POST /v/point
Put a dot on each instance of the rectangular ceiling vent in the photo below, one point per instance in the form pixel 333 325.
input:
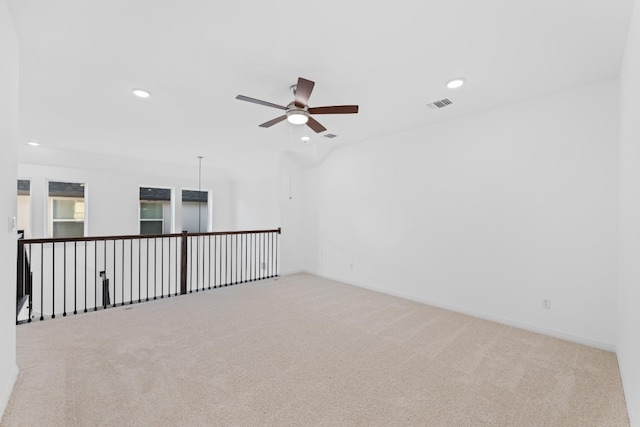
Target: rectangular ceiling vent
pixel 440 104
pixel 330 135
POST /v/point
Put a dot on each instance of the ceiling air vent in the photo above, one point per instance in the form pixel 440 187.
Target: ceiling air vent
pixel 330 135
pixel 440 104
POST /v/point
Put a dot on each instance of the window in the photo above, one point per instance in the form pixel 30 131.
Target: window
pixel 155 210
pixel 195 209
pixel 24 208
pixel 151 217
pixel 67 208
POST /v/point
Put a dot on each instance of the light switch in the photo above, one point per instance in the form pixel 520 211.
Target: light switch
pixel 13 223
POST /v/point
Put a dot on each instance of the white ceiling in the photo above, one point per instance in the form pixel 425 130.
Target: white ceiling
pixel 80 60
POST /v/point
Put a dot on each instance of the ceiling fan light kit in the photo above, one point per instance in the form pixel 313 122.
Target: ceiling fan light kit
pixel 298 112
pixel 297 116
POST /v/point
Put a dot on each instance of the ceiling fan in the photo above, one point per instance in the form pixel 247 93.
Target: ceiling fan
pixel 298 112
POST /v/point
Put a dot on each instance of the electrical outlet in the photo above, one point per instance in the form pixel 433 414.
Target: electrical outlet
pixel 546 303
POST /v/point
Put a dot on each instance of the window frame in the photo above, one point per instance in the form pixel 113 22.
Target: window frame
pixel 49 203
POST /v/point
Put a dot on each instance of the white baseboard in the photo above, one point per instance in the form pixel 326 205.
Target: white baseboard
pixel 485 316
pixel 6 393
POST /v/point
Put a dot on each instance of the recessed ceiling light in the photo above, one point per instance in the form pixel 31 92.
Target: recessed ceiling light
pixel 140 93
pixel 455 83
pixel 305 138
pixel 33 143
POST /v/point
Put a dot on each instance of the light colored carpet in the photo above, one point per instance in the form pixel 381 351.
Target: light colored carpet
pixel 301 350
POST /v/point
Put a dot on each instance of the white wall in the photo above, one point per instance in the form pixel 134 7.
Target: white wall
pixel 294 198
pixel 8 176
pixel 112 197
pixel 24 217
pixel 256 204
pixel 487 214
pixel 628 345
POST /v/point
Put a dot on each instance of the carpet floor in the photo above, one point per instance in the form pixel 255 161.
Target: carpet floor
pixel 304 351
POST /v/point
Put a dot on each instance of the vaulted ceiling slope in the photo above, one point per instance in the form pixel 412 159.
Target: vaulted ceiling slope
pixel 80 61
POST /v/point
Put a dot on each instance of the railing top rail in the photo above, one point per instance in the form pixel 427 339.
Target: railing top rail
pixel 141 236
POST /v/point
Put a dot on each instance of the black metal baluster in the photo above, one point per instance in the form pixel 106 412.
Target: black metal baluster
pixel 162 267
pixel 214 261
pixel 216 272
pixel 30 286
pixel 235 237
pixel 257 260
pixel 147 255
pixel 203 263
pixel 209 261
pixel 155 266
pixel 269 255
pixel 42 281
pixel 256 250
pixel 231 263
pixel 53 283
pixel 246 257
pixel 122 272
pixel 241 259
pixel 131 272
pixel 177 269
pixel 267 265
pixel 198 265
pixel 277 250
pixel 115 281
pixel 86 278
pixel 258 255
pixel 104 300
pixel 64 280
pixel 223 259
pixel 95 276
pixel 231 248
pixel 75 277
pixel 139 270
pixel 226 259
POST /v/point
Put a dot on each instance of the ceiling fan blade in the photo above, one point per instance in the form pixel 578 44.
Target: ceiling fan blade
pixel 303 91
pixel 315 125
pixel 257 101
pixel 273 122
pixel 337 109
